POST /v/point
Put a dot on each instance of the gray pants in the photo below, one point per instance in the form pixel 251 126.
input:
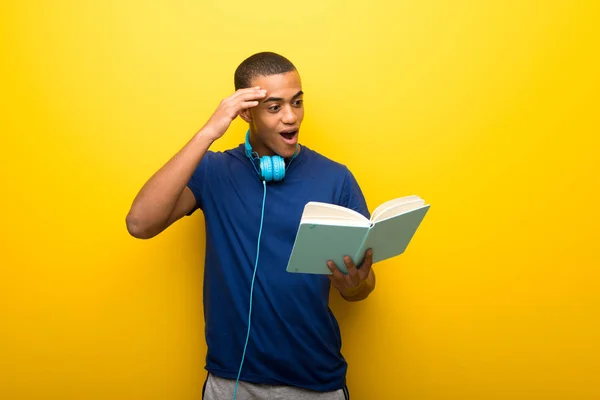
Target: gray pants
pixel 217 388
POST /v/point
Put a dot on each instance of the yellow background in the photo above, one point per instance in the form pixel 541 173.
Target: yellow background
pixel 489 110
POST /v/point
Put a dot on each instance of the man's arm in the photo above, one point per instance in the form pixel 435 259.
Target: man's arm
pixel 358 283
pixel 165 197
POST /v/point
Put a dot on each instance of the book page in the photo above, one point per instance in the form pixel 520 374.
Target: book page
pixel 398 209
pixel 394 202
pixel 335 222
pixel 323 211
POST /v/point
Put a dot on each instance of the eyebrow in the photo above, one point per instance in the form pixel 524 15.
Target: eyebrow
pixel 300 93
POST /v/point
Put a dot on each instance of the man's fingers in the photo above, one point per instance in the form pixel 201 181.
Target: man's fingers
pixel 253 95
pixel 248 104
pixel 353 277
pixel 336 273
pixel 248 100
pixel 248 94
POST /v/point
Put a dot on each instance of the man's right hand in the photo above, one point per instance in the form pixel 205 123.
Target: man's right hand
pixel 230 108
pixel 165 198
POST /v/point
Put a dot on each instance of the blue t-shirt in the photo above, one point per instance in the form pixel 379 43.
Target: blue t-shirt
pixel 294 338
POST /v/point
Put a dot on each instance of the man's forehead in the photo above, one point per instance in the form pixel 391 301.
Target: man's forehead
pixel 284 84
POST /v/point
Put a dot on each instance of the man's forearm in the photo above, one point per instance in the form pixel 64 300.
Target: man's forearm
pixel 362 291
pixel 158 197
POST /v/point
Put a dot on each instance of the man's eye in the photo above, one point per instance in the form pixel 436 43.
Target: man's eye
pixel 298 103
pixel 274 108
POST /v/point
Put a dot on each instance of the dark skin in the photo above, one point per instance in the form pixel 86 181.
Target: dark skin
pixel 358 283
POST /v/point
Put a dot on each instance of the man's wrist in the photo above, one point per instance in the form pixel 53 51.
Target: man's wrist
pixel 354 291
pixel 361 291
pixel 206 135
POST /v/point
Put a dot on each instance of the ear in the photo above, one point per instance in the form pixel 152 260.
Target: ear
pixel 246 115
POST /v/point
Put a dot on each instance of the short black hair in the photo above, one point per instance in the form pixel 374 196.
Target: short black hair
pixel 260 64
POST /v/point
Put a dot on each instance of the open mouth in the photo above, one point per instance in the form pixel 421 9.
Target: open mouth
pixel 289 136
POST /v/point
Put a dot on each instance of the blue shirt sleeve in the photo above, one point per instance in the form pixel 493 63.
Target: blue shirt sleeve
pixel 352 196
pixel 197 182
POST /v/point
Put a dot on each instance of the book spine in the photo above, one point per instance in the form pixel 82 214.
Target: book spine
pixel 358 257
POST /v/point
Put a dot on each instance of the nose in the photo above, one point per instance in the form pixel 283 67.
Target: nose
pixel 289 116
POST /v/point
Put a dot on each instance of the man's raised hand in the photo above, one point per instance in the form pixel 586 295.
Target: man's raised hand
pixel 230 108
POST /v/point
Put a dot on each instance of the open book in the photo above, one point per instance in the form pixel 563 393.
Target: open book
pixel 330 232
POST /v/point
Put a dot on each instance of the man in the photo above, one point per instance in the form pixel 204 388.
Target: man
pixel 271 329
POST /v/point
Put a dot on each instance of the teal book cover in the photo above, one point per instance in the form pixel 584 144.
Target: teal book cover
pixel 318 243
pixel 328 232
pixel 390 237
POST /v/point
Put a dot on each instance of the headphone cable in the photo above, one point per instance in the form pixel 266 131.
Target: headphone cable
pixel 252 288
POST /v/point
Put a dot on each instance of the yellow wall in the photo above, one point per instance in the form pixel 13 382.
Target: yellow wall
pixel 487 109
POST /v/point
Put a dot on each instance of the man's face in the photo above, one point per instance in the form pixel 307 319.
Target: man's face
pixel 275 122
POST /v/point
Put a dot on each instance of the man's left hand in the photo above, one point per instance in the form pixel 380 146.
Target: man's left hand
pixel 359 281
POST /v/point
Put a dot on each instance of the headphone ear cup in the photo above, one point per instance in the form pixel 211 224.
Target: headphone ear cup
pixel 266 168
pixel 278 168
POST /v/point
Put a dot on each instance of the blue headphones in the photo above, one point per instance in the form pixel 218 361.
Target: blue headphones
pixel 272 168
